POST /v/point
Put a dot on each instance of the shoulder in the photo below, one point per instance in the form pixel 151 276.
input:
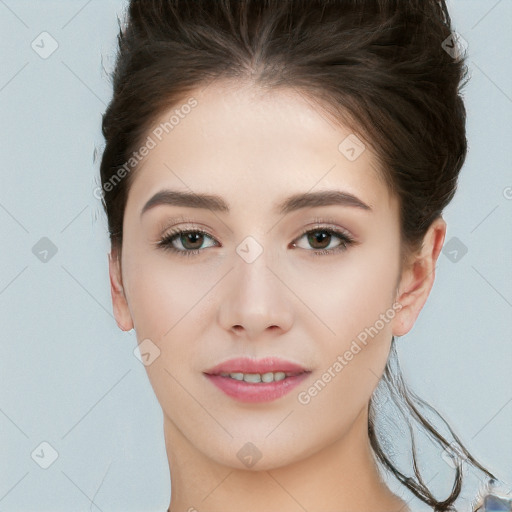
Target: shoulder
pixel 492 502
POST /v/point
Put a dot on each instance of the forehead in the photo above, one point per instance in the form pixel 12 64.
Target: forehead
pixel 255 146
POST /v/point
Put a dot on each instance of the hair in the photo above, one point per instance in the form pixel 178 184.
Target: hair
pixel 379 67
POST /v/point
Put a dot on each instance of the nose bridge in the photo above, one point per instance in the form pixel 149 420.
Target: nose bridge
pixel 254 299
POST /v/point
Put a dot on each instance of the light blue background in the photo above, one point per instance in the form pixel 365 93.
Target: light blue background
pixel 68 375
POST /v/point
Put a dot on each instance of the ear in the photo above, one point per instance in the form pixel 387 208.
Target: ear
pixel 119 303
pixel 418 278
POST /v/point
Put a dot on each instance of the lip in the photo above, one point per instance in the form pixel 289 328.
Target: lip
pixel 256 392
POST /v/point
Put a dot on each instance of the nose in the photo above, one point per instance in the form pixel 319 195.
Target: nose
pixel 255 302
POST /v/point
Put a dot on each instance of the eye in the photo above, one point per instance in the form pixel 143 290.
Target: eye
pixel 185 242
pixel 322 238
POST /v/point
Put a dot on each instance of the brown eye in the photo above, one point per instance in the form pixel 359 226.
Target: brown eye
pixel 186 242
pixel 321 240
pixel 191 240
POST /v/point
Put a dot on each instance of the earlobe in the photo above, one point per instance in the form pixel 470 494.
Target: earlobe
pixel 417 280
pixel 119 303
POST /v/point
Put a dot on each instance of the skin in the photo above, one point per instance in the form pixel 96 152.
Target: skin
pixel 254 148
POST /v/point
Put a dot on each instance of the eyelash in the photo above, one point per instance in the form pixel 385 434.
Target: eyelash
pixel 346 240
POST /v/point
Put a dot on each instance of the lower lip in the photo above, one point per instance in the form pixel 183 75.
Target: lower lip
pixel 262 392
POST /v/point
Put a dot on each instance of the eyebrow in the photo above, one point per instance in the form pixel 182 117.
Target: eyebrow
pixel 218 204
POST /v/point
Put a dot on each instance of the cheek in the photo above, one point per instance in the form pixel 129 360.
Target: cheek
pixel 349 294
pixel 165 294
pixel 358 311
pixel 171 305
pixel 353 297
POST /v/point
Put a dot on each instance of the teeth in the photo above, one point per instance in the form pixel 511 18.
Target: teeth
pixel 268 377
pixel 254 378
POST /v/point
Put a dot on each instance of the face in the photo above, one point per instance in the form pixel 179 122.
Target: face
pixel 311 281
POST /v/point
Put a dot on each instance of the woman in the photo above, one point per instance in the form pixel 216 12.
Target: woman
pixel 274 178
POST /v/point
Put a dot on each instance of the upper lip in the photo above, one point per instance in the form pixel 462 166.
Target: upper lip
pixel 247 365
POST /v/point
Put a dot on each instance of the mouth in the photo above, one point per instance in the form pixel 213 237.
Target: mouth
pixel 256 378
pixel 266 368
pixel 250 380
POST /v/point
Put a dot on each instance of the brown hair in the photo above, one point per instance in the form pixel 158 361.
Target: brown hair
pixel 378 66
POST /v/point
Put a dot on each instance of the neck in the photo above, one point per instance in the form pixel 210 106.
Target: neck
pixel 341 476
